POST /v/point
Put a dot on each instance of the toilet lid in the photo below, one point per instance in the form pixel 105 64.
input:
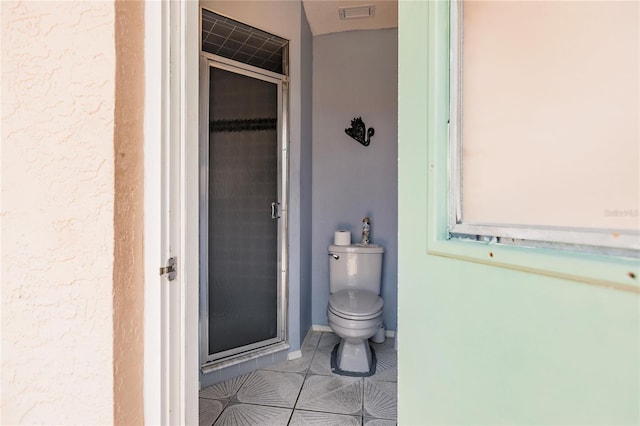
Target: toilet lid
pixel 355 303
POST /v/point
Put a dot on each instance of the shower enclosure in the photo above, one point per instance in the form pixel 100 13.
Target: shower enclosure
pixel 243 187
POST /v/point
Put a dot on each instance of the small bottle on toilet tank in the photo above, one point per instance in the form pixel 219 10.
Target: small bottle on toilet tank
pixel 366 229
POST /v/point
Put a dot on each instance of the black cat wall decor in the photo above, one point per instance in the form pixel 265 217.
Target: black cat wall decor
pixel 358 131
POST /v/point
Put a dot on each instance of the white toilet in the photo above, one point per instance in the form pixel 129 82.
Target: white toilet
pixel 355 305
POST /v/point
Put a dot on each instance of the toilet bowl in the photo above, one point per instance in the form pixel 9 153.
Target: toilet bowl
pixel 355 327
pixel 354 311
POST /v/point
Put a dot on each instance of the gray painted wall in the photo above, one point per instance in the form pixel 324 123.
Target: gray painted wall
pixel 306 73
pixel 355 74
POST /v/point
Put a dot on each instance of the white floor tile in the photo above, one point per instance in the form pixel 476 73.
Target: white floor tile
pixel 311 340
pixel 380 399
pixel 279 389
pixel 342 395
pixel 267 397
pixel 387 362
pixel 328 341
pixel 209 410
pixel 252 415
pixel 379 422
pixel 300 365
pixel 314 418
pixel 223 390
pixel 321 363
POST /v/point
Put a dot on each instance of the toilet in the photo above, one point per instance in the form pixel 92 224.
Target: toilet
pixel 354 311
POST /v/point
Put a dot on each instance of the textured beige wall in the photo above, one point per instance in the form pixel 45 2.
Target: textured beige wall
pixel 128 276
pixel 58 65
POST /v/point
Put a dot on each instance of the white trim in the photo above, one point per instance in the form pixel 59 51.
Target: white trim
pixel 602 238
pixel 242 358
pixel 189 106
pixel 170 308
pixel 294 355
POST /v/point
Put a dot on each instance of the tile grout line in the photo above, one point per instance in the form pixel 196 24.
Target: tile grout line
pixel 228 403
pixel 362 410
pixel 304 379
pixel 306 372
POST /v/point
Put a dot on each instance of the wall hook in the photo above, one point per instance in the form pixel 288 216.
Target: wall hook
pixel 358 130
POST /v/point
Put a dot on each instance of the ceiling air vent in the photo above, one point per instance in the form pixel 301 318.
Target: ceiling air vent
pixel 353 12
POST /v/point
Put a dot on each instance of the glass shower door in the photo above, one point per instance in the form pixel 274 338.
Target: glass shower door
pixel 240 224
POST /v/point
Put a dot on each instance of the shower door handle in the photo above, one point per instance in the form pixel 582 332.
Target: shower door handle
pixel 274 210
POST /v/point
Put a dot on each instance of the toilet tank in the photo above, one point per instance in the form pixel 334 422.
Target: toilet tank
pixel 355 267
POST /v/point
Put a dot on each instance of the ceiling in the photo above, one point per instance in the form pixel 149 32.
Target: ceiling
pixel 324 19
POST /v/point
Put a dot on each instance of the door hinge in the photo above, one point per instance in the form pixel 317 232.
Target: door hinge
pixel 170 269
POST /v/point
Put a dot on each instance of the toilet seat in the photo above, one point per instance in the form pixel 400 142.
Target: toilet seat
pixel 356 305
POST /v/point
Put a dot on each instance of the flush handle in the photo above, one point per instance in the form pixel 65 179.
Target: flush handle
pixel 335 256
pixel 274 210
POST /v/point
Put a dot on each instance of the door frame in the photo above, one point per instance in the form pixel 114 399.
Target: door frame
pixel 206 62
pixel 171 212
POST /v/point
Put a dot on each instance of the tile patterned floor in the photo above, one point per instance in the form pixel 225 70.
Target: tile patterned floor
pixel 305 392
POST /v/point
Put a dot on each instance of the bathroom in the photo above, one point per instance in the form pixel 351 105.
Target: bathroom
pixel 334 181
pixel 96 331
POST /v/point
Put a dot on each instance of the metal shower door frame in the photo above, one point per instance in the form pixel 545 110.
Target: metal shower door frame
pixel 208 61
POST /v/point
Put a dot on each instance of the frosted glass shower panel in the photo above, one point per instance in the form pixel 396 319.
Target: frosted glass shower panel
pixel 243 182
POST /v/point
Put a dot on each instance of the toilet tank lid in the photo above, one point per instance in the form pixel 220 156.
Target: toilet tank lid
pixel 357 248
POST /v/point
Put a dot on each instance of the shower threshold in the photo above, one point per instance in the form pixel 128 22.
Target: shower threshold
pixel 244 357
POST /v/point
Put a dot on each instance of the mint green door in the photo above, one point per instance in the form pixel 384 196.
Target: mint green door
pixel 516 337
